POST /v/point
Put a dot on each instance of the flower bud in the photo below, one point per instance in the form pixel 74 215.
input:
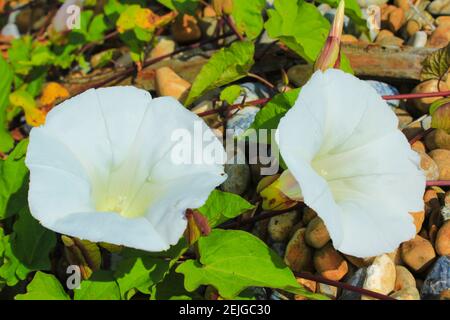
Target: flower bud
pixel 329 57
pixel 223 6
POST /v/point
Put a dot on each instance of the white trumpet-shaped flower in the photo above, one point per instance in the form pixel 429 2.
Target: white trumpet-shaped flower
pixel 101 169
pixel 354 167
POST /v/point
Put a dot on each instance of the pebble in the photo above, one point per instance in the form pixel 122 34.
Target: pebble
pixel 298 75
pixel 396 19
pixel 417 253
pixel 439 7
pixel 168 83
pixel 419 217
pixel 409 293
pixel 310 285
pixel 384 89
pixel 440 37
pixel 253 91
pixel 356 280
pixel 280 226
pixel 403 279
pixel 442 159
pixel 438 139
pixel 238 178
pixel 437 280
pixel 380 276
pixel 308 215
pixel 418 39
pixel 330 263
pixel 242 120
pixel 328 290
pixel 316 233
pixel 391 41
pixel 276 295
pixel 368 3
pixel 298 255
pixel 445 295
pixel 162 48
pixel 185 29
pixel 429 167
pixel 419 147
pixel 442 243
pixel 423 104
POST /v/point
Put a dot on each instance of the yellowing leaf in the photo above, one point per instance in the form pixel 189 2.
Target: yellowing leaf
pixel 83 253
pixel 135 16
pixel 33 116
pixel 52 92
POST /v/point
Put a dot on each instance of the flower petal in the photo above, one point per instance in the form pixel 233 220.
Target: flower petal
pixel 355 169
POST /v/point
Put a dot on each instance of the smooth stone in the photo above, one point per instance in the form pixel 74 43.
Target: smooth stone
pixel 356 280
pixel 439 7
pixel 437 280
pixel 403 279
pixel 298 255
pixel 280 226
pixel 242 120
pixel 437 139
pixel 368 3
pixel 417 253
pixel 238 178
pixel 429 167
pixel 298 76
pixel 168 83
pixel 330 263
pixel 409 293
pixel 418 40
pixel 423 104
pixel 442 159
pixel 349 26
pixel 380 276
pixel 310 285
pixel 419 217
pixel 185 29
pixel 308 215
pixel 442 243
pixel 440 37
pixel 328 290
pixel 404 118
pixel 163 47
pixel 384 89
pixel 396 19
pixel 203 106
pixel 316 233
pixel 276 295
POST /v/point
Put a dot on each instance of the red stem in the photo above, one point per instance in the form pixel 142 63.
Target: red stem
pixel 417 95
pixel 342 285
pixel 438 183
pixel 232 26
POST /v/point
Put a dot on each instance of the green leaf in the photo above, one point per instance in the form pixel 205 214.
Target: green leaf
pixel 44 287
pixel 299 25
pixel 345 64
pixel 100 286
pixel 12 174
pixel 232 260
pixel 140 273
pixel 225 66
pixel 352 10
pixel 248 17
pixel 222 206
pixel 19 55
pixel 172 288
pixel 269 116
pixel 12 270
pixel 32 243
pixel 97 28
pixel 182 6
pixel 6 142
pixel 230 93
pixel 436 104
pixel 436 65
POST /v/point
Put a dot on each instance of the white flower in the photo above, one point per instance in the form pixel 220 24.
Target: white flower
pixel 101 169
pixel 355 168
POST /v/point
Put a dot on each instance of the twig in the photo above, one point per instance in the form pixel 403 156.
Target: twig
pixel 262 216
pixel 230 23
pixel 342 285
pixel 420 135
pixel 408 96
pixel 260 79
